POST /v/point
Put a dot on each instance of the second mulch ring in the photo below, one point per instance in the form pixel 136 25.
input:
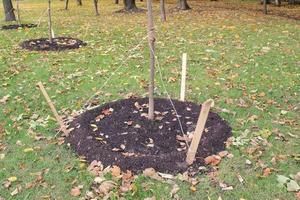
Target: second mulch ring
pixel 58 44
pixel 17 26
pixel 119 133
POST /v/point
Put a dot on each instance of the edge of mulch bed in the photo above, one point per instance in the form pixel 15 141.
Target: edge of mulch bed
pixel 59 44
pixel 17 26
pixel 119 133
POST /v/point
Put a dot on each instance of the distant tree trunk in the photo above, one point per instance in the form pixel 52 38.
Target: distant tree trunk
pixel 116 1
pixel 183 5
pixel 291 1
pixel 162 11
pixel 18 12
pixel 67 5
pixel 129 5
pixel 96 6
pixel 9 10
pixel 265 7
pixel 79 2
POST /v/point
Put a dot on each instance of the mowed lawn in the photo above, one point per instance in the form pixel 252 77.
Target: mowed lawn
pixel 247 62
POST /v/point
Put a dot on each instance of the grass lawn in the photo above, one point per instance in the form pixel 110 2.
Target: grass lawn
pixel 247 62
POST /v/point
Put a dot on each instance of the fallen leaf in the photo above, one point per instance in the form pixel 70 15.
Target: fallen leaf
pixel 4 99
pixel 12 179
pixel 212 160
pixel 106 186
pixel 292 186
pixel 193 188
pixel 75 192
pixel 115 171
pixel 282 179
pixel 298 195
pixel 174 190
pixel 266 172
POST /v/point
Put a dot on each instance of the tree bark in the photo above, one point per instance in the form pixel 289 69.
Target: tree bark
pixel 116 1
pixel 162 11
pixel 183 5
pixel 79 2
pixel 96 6
pixel 151 39
pixel 129 5
pixel 49 22
pixel 9 10
pixel 265 7
pixel 67 5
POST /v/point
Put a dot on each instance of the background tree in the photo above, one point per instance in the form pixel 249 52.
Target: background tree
pixel 96 7
pixel 9 10
pixel 129 5
pixel 67 5
pixel 79 2
pixel 162 11
pixel 183 5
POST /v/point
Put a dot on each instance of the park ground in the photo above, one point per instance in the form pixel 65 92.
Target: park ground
pixel 249 63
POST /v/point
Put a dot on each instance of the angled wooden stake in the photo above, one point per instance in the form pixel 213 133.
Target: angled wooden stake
pixel 199 130
pixel 183 77
pixel 51 105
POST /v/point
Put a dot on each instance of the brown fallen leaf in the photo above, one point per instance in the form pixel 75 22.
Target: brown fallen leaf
pixel 212 160
pixel 151 173
pixel 95 168
pixel 106 186
pixel 266 172
pixel 115 171
pixel 298 195
pixel 193 188
pixel 75 192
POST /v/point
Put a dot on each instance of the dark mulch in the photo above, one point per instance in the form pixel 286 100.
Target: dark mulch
pixel 58 44
pixel 17 26
pixel 126 138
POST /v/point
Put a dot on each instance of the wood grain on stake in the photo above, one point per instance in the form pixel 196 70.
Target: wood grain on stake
pixel 51 105
pixel 199 130
pixel 183 77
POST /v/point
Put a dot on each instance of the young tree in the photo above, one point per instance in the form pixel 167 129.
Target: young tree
pixel 9 10
pixel 129 5
pixel 265 6
pixel 183 5
pixel 67 5
pixel 151 39
pixel 96 6
pixel 162 11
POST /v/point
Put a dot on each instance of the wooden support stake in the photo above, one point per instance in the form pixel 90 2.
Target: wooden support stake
pixel 151 40
pixel 51 105
pixel 183 77
pixel 18 13
pixel 199 130
pixel 49 22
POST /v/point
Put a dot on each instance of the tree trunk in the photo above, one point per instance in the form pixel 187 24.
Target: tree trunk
pixel 183 5
pixel 265 7
pixel 9 10
pixel 116 1
pixel 79 2
pixel 18 12
pixel 96 6
pixel 49 22
pixel 151 39
pixel 129 5
pixel 67 5
pixel 162 11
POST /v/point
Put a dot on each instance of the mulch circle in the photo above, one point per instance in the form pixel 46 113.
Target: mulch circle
pixel 17 26
pixel 58 44
pixel 119 133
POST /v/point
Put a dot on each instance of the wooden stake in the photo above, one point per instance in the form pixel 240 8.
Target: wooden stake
pixel 199 130
pixel 183 77
pixel 51 105
pixel 151 39
pixel 49 22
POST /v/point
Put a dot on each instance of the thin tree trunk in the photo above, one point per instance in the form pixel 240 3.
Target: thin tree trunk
pixel 129 5
pixel 96 6
pixel 116 1
pixel 265 7
pixel 79 2
pixel 67 5
pixel 162 11
pixel 9 10
pixel 183 5
pixel 18 12
pixel 151 39
pixel 49 22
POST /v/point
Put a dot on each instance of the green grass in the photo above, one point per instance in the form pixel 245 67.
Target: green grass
pixel 225 62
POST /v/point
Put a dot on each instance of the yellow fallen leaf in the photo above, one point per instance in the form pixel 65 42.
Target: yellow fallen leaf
pixel 193 188
pixel 12 179
pixel 28 150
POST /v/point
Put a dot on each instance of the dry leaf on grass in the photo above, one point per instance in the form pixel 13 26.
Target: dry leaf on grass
pixel 106 186
pixel 75 192
pixel 212 160
pixel 151 173
pixel 298 195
